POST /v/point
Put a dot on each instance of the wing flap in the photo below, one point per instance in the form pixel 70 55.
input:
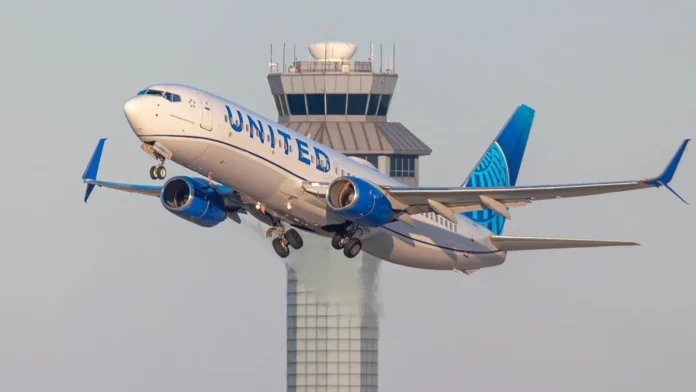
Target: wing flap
pixel 510 243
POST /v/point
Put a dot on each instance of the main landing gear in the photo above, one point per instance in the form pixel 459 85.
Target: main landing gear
pixel 347 241
pixel 285 239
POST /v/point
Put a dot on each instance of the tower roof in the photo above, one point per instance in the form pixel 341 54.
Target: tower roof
pixel 383 138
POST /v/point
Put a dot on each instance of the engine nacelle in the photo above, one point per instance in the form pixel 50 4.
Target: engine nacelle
pixel 359 201
pixel 192 199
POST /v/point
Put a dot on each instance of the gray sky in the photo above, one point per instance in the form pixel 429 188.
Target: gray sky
pixel 120 295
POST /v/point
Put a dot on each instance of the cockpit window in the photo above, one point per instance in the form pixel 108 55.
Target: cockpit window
pixel 171 97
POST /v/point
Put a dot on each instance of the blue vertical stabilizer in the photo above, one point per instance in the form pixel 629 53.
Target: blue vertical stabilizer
pixel 500 165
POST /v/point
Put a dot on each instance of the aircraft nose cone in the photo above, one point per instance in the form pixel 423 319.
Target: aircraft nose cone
pixel 132 109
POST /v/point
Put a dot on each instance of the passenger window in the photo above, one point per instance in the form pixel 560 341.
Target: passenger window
pixel 225 118
pixel 311 158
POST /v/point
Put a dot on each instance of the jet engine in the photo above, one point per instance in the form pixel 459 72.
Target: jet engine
pixel 359 201
pixel 192 199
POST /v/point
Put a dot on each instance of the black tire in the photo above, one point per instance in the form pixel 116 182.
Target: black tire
pixel 153 172
pixel 278 247
pixel 336 241
pixel 294 238
pixel 161 172
pixel 352 248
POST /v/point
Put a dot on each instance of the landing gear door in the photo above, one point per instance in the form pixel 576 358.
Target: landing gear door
pixel 207 112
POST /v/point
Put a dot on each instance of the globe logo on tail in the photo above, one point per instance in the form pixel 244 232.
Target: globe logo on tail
pixel 492 171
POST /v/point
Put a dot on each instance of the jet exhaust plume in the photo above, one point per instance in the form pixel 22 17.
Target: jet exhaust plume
pixel 352 284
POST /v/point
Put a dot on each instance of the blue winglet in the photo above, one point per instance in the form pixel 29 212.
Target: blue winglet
pixel 667 175
pixel 93 167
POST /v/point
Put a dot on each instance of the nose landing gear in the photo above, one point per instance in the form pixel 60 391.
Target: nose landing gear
pixel 160 153
pixel 158 172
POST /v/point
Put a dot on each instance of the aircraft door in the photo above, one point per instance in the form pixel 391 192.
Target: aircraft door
pixel 207 112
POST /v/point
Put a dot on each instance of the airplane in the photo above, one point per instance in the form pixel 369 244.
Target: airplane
pixel 253 165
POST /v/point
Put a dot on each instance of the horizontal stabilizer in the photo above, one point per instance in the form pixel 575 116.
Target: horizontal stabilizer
pixel 509 243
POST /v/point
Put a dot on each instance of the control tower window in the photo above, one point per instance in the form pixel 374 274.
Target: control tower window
pixel 284 105
pixel 336 104
pixel 384 105
pixel 357 103
pixel 372 105
pixel 373 159
pixel 296 104
pixel 277 102
pixel 315 104
pixel 402 166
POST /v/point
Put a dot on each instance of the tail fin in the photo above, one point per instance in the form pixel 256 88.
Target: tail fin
pixel 500 165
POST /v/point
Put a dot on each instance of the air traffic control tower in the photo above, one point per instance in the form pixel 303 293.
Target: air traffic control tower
pixel 343 104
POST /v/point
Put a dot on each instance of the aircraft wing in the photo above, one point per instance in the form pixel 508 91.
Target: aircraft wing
pixel 234 203
pixel 449 201
pixel 89 177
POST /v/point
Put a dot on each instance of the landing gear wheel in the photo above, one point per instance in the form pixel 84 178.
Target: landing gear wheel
pixel 294 238
pixel 352 248
pixel 337 241
pixel 280 249
pixel 158 172
pixel 161 172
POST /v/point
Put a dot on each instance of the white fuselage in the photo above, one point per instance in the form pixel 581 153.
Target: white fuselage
pixel 268 163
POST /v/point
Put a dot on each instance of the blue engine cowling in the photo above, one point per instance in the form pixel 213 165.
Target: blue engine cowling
pixel 192 199
pixel 359 201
